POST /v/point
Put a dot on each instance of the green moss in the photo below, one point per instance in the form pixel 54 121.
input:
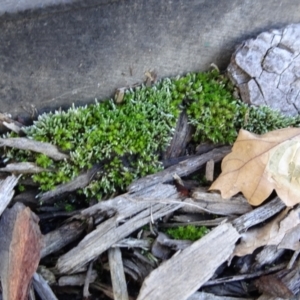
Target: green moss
pixel 189 232
pixel 127 139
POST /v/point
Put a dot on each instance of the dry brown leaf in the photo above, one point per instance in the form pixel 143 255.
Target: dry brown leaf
pixel 275 232
pixel 258 164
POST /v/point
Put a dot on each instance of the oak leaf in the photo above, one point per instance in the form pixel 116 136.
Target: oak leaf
pixel 259 164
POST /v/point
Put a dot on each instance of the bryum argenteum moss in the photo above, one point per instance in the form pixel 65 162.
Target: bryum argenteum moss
pixel 127 139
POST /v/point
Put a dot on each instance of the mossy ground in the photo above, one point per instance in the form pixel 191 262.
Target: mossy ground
pixel 129 138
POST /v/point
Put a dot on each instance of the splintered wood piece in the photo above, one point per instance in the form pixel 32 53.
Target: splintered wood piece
pixel 117 274
pixel 7 191
pixel 209 170
pixel 137 213
pixel 258 215
pixel 20 249
pixel 181 137
pixel 213 203
pixel 9 123
pixel 186 272
pixel 62 236
pixel 35 146
pixel 42 287
pixel 182 169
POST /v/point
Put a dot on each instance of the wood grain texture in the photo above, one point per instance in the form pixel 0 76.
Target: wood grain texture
pixel 180 276
pixel 117 274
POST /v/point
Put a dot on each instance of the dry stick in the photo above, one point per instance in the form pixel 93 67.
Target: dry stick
pixel 87 281
pixel 182 169
pixel 42 288
pixel 23 168
pixel 208 296
pixel 117 274
pixel 35 146
pixel 79 182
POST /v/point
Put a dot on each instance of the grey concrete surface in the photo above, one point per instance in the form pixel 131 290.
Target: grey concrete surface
pixel 71 52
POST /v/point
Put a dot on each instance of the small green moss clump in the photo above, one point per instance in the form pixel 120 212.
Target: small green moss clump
pixel 189 232
pixel 218 116
pixel 126 139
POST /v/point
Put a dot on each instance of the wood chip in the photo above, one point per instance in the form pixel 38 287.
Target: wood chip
pixel 186 272
pixel 209 170
pixel 7 191
pixel 117 274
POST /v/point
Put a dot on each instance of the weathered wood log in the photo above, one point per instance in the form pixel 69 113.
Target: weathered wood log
pixel 182 169
pixel 190 269
pixel 117 274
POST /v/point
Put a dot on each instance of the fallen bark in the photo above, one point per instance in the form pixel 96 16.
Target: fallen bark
pixel 183 272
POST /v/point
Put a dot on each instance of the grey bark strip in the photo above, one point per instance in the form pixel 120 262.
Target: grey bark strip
pixel 258 215
pixel 182 169
pixel 117 274
pixel 189 270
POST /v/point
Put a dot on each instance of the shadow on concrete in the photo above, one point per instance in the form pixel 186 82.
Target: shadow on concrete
pixel 54 53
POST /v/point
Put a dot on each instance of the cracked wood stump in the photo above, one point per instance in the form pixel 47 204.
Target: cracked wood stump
pixel 266 69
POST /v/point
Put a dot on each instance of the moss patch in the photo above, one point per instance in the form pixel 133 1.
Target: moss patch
pixel 128 138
